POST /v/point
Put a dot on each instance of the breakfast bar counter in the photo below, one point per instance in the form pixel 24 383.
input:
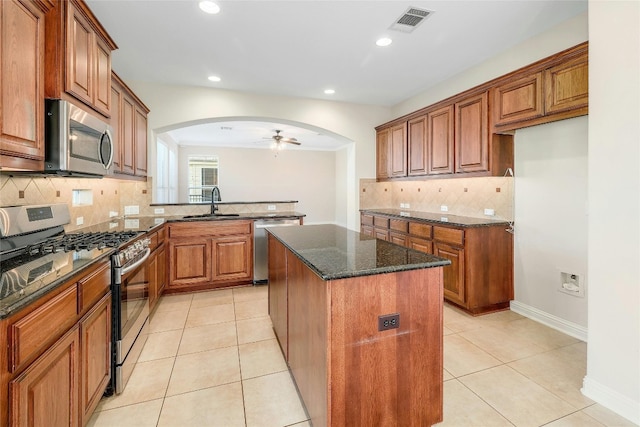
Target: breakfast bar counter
pixel 359 321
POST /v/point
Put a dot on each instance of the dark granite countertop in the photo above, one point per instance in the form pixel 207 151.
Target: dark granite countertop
pixel 437 218
pixel 334 252
pixel 263 202
pixel 42 275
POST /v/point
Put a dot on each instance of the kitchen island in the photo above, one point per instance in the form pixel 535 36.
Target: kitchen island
pixel 359 321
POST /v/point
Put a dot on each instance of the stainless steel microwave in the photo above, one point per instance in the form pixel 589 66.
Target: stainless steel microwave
pixel 77 143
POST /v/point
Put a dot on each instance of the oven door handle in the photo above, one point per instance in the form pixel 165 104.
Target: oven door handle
pixel 136 264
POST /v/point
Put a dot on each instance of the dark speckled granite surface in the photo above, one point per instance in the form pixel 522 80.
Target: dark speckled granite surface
pixel 334 252
pixel 461 221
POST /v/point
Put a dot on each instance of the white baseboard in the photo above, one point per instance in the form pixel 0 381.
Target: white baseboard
pixel 612 400
pixel 564 326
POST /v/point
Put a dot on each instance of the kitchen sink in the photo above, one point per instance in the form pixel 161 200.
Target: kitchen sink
pixel 211 215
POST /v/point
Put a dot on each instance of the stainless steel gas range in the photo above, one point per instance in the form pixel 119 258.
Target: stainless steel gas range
pixel 36 254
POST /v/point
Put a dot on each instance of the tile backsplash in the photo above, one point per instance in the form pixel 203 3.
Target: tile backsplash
pixel 108 195
pixel 462 196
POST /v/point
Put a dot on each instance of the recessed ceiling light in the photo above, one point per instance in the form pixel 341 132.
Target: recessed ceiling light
pixel 209 7
pixel 214 78
pixel 384 41
pixel 329 91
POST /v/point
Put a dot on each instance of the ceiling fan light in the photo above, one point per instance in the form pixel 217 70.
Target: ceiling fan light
pixel 208 6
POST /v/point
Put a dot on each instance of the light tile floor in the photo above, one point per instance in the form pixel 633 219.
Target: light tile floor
pixel 212 360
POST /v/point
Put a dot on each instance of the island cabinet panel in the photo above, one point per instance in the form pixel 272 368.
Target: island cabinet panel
pixel 407 389
pixel 472 134
pixel 47 394
pixel 22 29
pixel 440 142
pixel 278 292
pixel 348 372
pixel 308 337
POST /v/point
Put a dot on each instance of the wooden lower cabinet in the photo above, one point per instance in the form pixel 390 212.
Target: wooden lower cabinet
pixel 454 276
pixel 209 254
pixel 57 377
pixel 349 373
pixel 47 394
pixel 95 369
pixel 157 267
pixel 480 277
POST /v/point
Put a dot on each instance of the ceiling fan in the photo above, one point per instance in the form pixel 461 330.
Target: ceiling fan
pixel 277 138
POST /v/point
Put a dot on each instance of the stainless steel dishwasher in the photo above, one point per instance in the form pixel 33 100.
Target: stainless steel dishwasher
pixel 260 256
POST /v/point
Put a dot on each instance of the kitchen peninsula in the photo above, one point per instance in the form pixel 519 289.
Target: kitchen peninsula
pixel 359 321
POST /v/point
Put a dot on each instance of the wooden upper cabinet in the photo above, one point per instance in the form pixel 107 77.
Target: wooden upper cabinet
pixel 78 56
pixel 129 122
pixel 140 142
pixel 22 74
pixel 417 146
pixel 382 154
pixel 472 134
pixel 440 144
pixel 567 85
pixel 398 150
pixel 519 100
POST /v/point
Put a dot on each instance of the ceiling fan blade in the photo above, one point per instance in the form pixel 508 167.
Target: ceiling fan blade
pixel 291 141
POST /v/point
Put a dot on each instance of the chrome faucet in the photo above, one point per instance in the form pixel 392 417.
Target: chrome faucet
pixel 215 197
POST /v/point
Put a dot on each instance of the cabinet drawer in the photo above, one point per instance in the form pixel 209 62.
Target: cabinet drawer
pixel 366 219
pixel 40 328
pixel 209 228
pixel 449 235
pixel 94 286
pixel 398 238
pixel 420 230
pixel 381 222
pixel 399 225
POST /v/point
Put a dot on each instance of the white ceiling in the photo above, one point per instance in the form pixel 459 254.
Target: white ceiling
pixel 299 48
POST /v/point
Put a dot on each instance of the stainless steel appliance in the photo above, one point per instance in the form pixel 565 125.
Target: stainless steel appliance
pixel 76 143
pixel 260 245
pixel 36 253
pixel 130 287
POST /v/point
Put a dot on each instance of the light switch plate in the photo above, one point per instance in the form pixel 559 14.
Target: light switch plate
pixel 80 220
pixel 158 211
pixel 444 208
pixel 271 207
pixel 489 212
pixel 112 214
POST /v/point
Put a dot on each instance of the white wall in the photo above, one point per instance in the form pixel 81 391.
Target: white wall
pixel 563 36
pixel 172 105
pixel 551 220
pixel 248 174
pixel 613 355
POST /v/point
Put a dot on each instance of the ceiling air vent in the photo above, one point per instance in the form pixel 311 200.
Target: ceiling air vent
pixel 410 19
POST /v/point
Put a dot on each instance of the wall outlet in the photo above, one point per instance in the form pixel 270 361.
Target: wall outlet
pixel 407 205
pixel 570 284
pixel 132 210
pixel 112 214
pixel 444 208
pixel 80 220
pixel 271 207
pixel 489 212
pixel 158 211
pixel 388 321
pixel 402 206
